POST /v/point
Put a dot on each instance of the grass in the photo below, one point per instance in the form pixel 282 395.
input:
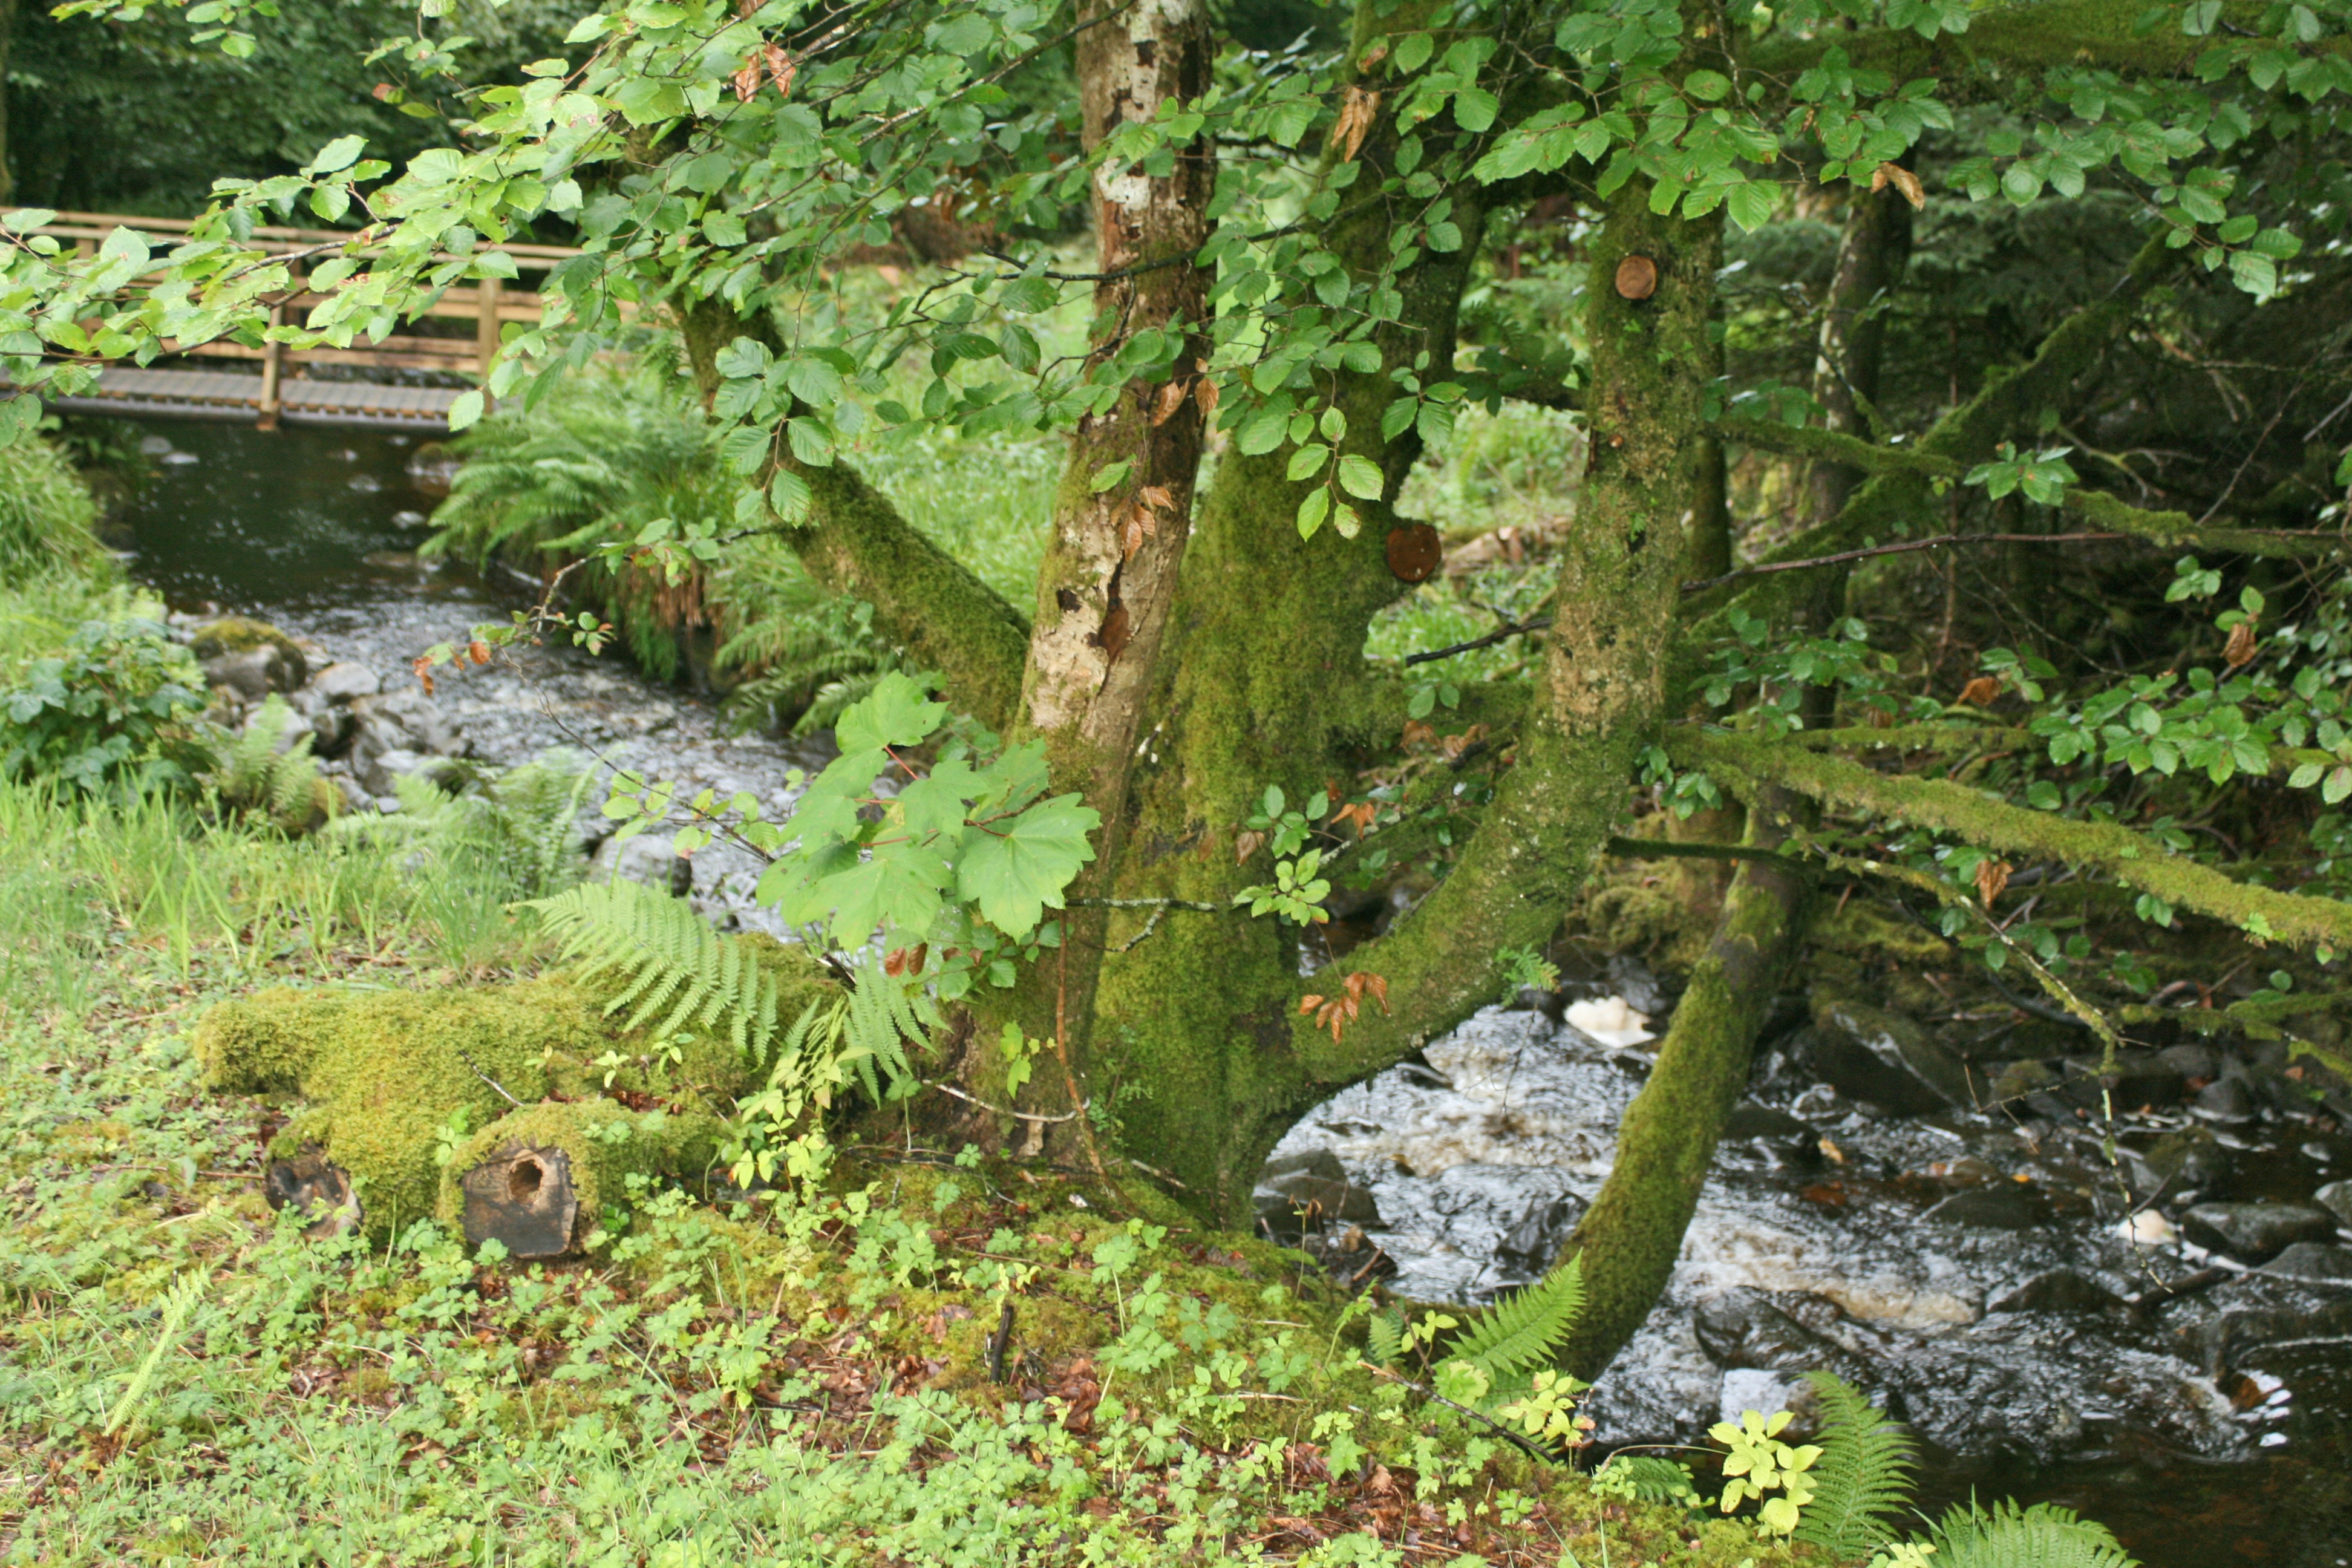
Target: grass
pixel 803 1380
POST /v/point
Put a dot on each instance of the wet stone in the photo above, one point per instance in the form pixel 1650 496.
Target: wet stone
pixel 2226 1102
pixel 2335 1198
pixel 1530 1246
pixel 2058 1290
pixel 2313 1263
pixel 1882 1057
pixel 1327 1201
pixel 2009 1206
pixel 2252 1232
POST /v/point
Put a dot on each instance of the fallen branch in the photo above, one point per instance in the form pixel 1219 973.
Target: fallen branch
pixel 1000 1110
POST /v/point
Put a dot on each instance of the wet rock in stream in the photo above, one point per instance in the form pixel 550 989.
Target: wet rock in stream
pixel 1965 1266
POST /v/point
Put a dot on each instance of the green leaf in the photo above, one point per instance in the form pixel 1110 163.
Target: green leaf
pixel 895 713
pixel 1014 871
pixel 897 887
pixel 1707 87
pixel 812 443
pixel 1108 477
pixel 1361 478
pixel 2304 776
pixel 1474 109
pixel 337 155
pixel 466 410
pixel 1412 52
pixel 1313 511
pixel 789 494
pixel 1307 462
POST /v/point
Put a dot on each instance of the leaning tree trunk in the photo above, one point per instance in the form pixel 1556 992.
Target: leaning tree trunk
pixel 1633 1234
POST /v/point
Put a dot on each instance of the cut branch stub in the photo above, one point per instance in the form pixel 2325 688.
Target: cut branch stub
pixel 317 1191
pixel 1415 552
pixel 524 1198
pixel 1637 278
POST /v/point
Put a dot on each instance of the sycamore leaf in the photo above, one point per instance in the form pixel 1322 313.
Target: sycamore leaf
pixel 936 804
pixel 1014 869
pixel 895 713
pixel 897 887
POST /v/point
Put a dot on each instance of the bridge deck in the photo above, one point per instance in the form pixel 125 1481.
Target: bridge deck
pixel 224 394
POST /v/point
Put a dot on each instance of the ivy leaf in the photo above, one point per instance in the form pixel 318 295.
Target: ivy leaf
pixel 895 713
pixel 1014 871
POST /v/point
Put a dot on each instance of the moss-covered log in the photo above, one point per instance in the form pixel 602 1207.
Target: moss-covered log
pixel 538 1181
pixel 387 1075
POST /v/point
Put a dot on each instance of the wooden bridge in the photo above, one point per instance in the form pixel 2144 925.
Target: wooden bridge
pixel 269 385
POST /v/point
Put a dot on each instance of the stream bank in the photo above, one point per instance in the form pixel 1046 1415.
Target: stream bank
pixel 1964 1265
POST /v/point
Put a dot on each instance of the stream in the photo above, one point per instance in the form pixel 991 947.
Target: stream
pixel 1965 1266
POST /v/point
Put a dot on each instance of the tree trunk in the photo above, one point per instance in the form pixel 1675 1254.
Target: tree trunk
pixel 1631 1237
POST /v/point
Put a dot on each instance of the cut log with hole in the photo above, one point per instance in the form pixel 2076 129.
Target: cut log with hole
pixel 317 1191
pixel 523 1198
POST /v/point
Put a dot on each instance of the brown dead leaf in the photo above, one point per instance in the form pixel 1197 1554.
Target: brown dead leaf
pixel 2240 649
pixel 1454 745
pixel 479 651
pixel 1979 692
pixel 1992 876
pixel 1357 110
pixel 1204 392
pixel 1157 496
pixel 747 79
pixel 1139 523
pixel 782 69
pixel 1165 401
pixel 1245 844
pixel 424 668
pixel 1902 180
pixel 1418 733
pixel 1362 813
pixel 1308 1003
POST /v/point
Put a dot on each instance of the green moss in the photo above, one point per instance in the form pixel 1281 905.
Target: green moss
pixel 605 1143
pixel 236 633
pixel 264 1043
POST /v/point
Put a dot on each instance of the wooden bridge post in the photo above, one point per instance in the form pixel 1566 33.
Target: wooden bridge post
pixel 486 333
pixel 273 356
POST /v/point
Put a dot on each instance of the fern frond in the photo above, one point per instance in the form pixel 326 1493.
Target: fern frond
pixel 670 963
pixel 1519 1333
pixel 883 1016
pixel 2007 1536
pixel 1653 1478
pixel 1384 1339
pixel 1863 1475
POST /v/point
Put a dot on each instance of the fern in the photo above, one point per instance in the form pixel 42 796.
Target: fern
pixel 670 962
pixel 1651 1478
pixel 178 1303
pixel 2043 1536
pixel 1863 1477
pixel 882 1014
pixel 1384 1339
pixel 259 773
pixel 1518 1334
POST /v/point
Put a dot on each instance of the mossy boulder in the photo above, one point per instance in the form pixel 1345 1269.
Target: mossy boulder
pixel 250 658
pixel 237 634
pixel 539 1180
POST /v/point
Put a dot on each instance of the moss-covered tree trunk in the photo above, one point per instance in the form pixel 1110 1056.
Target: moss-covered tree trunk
pixel 1270 672
pixel 1631 1237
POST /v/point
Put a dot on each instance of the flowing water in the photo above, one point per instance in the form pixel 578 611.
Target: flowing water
pixel 2213 1429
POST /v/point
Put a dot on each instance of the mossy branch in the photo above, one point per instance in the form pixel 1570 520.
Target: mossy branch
pixel 2177 528
pixel 1743 765
pixel 1834 447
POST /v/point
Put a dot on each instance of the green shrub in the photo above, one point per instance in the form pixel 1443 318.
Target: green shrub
pixel 118 706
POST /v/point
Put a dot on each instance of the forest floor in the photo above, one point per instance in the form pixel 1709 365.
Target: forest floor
pixel 926 1361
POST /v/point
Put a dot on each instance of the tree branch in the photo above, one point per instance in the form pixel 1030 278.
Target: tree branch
pixel 2174 529
pixel 1743 764
pixel 1904 548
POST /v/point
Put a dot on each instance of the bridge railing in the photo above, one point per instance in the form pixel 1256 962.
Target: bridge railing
pixel 488 304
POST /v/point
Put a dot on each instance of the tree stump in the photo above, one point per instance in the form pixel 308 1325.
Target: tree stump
pixel 523 1197
pixel 317 1191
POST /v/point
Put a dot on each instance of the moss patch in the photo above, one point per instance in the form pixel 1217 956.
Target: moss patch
pixel 236 633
